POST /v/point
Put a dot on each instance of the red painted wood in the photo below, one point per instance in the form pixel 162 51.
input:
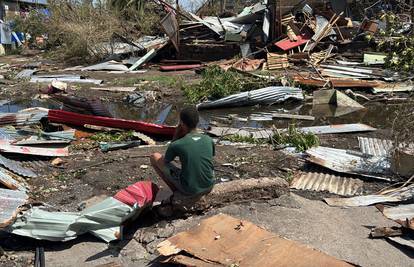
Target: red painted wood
pixel 287 44
pixel 180 67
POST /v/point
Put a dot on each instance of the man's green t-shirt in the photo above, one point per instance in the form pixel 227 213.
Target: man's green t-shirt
pixel 195 152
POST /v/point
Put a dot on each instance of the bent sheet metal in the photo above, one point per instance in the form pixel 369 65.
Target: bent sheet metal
pixel 268 95
pixel 10 201
pixel 398 195
pixel 352 162
pixel 103 220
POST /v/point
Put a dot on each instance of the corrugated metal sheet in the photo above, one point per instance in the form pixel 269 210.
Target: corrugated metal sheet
pixel 374 146
pixel 16 167
pixel 103 219
pixel 377 147
pixel 22 118
pixel 327 182
pixel 7 179
pixel 266 133
pixel 339 128
pixel 402 194
pixel 351 162
pixel 268 95
pixel 37 151
pixel 400 212
pixel 10 201
pixel 108 66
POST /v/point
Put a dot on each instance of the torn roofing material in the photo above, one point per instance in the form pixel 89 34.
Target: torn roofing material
pixel 235 242
pixel 374 146
pixel 37 151
pixel 327 182
pixel 103 220
pixel 16 167
pixel 108 66
pixel 268 95
pixel 378 147
pixel 10 201
pixel 352 162
pixel 398 195
pixel 8 179
pixel 262 133
pixel 400 212
pixel 24 117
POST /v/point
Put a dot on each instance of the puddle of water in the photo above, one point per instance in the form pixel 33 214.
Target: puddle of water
pixel 377 114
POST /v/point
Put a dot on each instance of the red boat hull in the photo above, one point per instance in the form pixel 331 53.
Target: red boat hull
pixel 60 116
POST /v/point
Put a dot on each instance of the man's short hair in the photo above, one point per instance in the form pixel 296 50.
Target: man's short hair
pixel 189 116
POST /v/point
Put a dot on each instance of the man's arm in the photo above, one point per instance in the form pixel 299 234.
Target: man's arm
pixel 170 154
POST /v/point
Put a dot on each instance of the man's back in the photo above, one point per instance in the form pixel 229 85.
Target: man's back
pixel 195 152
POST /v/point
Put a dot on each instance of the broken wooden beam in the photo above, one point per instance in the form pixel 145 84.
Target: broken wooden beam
pixel 234 191
pixel 337 82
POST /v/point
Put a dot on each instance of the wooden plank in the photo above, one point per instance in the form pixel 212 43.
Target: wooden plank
pixel 115 89
pixel 293 116
pixel 231 241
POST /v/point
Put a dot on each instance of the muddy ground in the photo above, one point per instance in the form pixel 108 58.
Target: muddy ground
pixel 89 174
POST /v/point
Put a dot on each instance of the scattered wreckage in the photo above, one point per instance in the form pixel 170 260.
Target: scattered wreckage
pixel 302 51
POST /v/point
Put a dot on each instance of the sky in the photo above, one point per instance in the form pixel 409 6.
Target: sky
pixel 191 5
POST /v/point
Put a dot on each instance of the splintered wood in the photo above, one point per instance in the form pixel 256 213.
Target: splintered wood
pixel 277 61
pixel 226 241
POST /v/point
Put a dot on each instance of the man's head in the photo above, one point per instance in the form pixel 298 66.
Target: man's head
pixel 189 117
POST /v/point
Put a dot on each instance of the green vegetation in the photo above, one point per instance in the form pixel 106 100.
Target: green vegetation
pixel 236 138
pixel 159 80
pixel 113 137
pixel 294 137
pixel 217 83
pixel 85 31
pixel 399 46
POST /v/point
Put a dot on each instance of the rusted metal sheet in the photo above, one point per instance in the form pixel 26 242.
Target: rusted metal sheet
pixel 8 179
pixel 374 146
pixel 400 212
pixel 235 242
pixel 23 118
pixel 10 201
pixel 327 182
pixel 16 167
pixel 398 195
pixel 352 162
